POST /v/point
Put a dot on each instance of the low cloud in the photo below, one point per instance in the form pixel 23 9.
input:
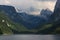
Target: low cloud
pixel 30 6
pixel 45 0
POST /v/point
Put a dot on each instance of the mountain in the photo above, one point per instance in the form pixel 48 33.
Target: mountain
pixel 46 13
pixel 54 26
pixel 35 21
pixel 6 14
pixel 8 9
pixel 7 26
pixel 12 22
pixel 32 21
pixel 56 15
pixel 29 21
pixel 3 24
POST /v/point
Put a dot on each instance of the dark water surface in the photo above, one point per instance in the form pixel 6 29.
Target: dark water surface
pixel 30 37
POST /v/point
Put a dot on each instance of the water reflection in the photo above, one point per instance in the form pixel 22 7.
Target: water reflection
pixel 30 37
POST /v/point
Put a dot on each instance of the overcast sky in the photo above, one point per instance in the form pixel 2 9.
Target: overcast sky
pixel 30 6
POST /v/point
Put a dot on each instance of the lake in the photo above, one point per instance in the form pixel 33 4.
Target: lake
pixel 30 37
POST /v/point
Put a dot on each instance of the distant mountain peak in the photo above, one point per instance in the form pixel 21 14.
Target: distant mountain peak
pixel 46 12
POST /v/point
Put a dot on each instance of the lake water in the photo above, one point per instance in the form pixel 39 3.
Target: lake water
pixel 30 37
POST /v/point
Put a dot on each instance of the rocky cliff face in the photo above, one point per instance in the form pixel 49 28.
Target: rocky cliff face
pixel 56 15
